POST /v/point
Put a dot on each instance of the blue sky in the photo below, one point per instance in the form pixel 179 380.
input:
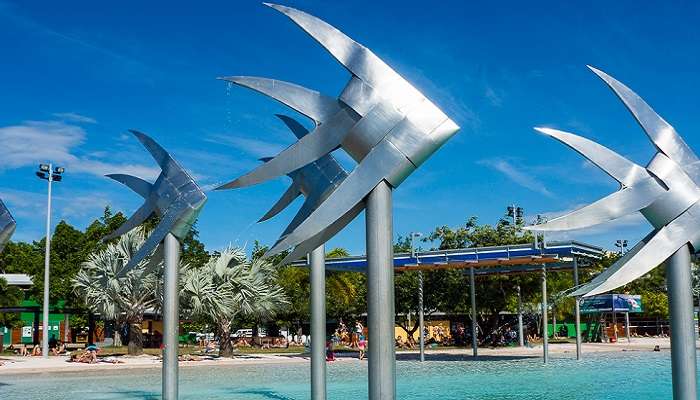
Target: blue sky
pixel 76 75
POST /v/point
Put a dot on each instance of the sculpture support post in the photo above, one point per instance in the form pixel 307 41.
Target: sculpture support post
pixel 318 323
pixel 472 294
pixel 521 338
pixel 680 301
pixel 545 333
pixel 170 317
pixel 421 335
pixel 577 312
pixel 380 294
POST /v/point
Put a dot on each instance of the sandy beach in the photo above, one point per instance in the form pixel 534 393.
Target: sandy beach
pixel 58 364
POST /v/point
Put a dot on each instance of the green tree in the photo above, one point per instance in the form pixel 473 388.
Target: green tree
pixel 123 299
pixel 194 253
pixel 226 287
pixel 10 296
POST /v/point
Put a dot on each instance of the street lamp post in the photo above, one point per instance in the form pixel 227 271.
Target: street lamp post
pixel 622 244
pixel 421 335
pixel 516 213
pixel 51 174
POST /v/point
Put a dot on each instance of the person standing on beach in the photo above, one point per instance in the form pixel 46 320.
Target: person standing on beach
pixel 362 345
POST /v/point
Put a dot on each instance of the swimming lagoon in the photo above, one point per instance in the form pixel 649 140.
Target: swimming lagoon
pixel 607 375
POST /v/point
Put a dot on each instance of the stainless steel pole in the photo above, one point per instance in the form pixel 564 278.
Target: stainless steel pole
pixel 680 301
pixel 472 294
pixel 380 294
pixel 47 261
pixel 318 323
pixel 521 338
pixel 627 327
pixel 171 301
pixel 66 328
pixel 420 316
pixel 697 331
pixel 545 333
pixel 577 313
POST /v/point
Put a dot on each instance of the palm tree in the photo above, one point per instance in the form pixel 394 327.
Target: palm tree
pixel 121 299
pixel 228 286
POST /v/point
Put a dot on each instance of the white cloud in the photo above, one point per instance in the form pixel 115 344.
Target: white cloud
pixel 34 142
pixel 75 117
pixel 29 208
pixel 24 204
pixel 517 175
pixel 254 147
pixel 494 98
pixel 37 141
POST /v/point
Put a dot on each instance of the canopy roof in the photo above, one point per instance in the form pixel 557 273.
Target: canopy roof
pixel 518 258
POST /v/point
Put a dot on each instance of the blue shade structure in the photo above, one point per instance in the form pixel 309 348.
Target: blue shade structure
pixel 385 124
pixel 7 225
pixel 665 191
pixel 175 197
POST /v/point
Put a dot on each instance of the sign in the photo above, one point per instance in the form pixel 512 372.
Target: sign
pixel 623 303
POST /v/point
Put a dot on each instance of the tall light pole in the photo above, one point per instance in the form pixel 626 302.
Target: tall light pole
pixel 622 244
pixel 516 213
pixel 421 335
pixel 51 174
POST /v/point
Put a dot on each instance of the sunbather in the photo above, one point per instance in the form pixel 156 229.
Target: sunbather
pixel 111 360
pixel 60 348
pixel 19 349
pixel 87 357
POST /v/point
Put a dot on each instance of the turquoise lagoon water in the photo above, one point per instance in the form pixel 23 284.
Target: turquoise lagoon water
pixel 619 375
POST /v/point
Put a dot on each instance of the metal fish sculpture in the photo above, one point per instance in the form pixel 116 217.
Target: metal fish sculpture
pixel 7 225
pixel 665 192
pixel 175 197
pixel 379 119
pixel 315 181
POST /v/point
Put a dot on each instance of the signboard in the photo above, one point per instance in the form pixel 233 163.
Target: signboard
pixel 26 331
pixel 623 303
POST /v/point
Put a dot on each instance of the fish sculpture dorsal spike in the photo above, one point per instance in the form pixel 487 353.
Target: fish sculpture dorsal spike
pixel 310 103
pixel 666 192
pixel 134 183
pixel 356 58
pixel 297 128
pixel 618 167
pixel 287 198
pixel 660 132
pixel 308 181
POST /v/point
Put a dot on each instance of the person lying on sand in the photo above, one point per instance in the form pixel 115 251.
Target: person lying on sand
pixel 111 360
pixel 19 349
pixel 87 357
pixel 189 357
